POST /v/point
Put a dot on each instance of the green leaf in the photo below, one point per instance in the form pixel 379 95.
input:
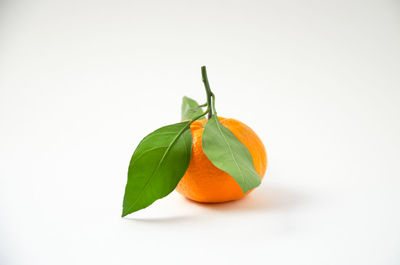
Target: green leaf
pixel 157 165
pixel 190 109
pixel 227 153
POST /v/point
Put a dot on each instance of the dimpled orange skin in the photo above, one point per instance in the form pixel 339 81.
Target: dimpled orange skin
pixel 203 182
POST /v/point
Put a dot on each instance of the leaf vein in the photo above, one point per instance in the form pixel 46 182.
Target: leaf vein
pixel 158 165
pixel 230 149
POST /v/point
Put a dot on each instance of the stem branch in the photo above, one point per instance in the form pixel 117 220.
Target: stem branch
pixel 208 91
pixel 201 115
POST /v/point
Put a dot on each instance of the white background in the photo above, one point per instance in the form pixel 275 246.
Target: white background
pixel 81 82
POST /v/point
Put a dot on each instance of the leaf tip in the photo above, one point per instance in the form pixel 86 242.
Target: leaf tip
pixel 124 212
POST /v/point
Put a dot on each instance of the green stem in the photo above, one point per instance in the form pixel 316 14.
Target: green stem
pixel 201 115
pixel 213 103
pixel 208 90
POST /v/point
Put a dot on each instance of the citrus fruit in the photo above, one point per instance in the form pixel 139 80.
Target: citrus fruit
pixel 203 182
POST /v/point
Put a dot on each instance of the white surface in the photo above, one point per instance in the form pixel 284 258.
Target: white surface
pixel 81 82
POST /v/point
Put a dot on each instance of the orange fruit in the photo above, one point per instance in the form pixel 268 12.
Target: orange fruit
pixel 203 182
